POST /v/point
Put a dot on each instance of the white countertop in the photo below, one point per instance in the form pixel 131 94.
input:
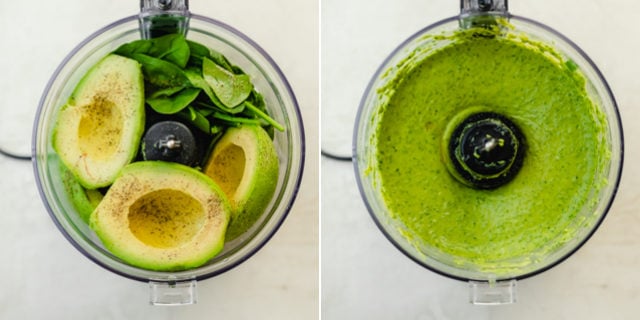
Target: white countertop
pixel 365 277
pixel 44 276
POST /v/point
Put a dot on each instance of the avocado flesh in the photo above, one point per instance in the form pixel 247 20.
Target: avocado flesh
pixel 162 216
pixel 244 163
pixel 98 131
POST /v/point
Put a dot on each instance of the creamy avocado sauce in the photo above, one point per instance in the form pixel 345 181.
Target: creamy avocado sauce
pixel 562 173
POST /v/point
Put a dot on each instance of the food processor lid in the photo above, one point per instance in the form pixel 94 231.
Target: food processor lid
pixel 483 13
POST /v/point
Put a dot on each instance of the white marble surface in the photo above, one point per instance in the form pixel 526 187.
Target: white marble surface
pixel 365 277
pixel 44 277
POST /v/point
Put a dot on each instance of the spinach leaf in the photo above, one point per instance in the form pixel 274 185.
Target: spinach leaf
pixel 222 61
pixel 237 110
pixel 206 112
pixel 131 48
pixel 198 119
pixel 231 89
pixel 172 48
pixel 197 49
pixel 174 103
pixel 235 120
pixel 199 82
pixel 160 92
pixel 161 73
pixel 200 52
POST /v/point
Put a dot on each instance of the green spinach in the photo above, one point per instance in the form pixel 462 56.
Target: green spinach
pixel 231 89
pixel 164 104
pixel 197 84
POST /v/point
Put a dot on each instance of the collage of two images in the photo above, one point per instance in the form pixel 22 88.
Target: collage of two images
pixel 315 159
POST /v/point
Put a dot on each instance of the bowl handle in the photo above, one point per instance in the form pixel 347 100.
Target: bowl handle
pixel 161 17
pixel 492 292
pixel 173 293
pixel 474 13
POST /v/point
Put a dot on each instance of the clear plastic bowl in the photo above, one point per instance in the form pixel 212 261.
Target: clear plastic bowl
pixel 268 80
pixel 418 46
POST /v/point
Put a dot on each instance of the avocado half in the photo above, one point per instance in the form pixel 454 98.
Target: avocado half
pixel 244 163
pixel 98 131
pixel 162 216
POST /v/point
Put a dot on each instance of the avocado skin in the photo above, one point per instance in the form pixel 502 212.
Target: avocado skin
pixel 83 200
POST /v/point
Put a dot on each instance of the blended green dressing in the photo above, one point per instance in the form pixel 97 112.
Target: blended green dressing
pixel 551 197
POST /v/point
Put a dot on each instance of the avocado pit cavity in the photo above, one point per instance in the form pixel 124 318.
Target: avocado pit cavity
pixel 100 129
pixel 229 168
pixel 166 218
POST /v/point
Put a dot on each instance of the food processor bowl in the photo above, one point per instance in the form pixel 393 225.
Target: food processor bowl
pixel 171 287
pixel 487 286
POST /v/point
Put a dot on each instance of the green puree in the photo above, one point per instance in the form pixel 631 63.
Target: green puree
pixel 548 201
